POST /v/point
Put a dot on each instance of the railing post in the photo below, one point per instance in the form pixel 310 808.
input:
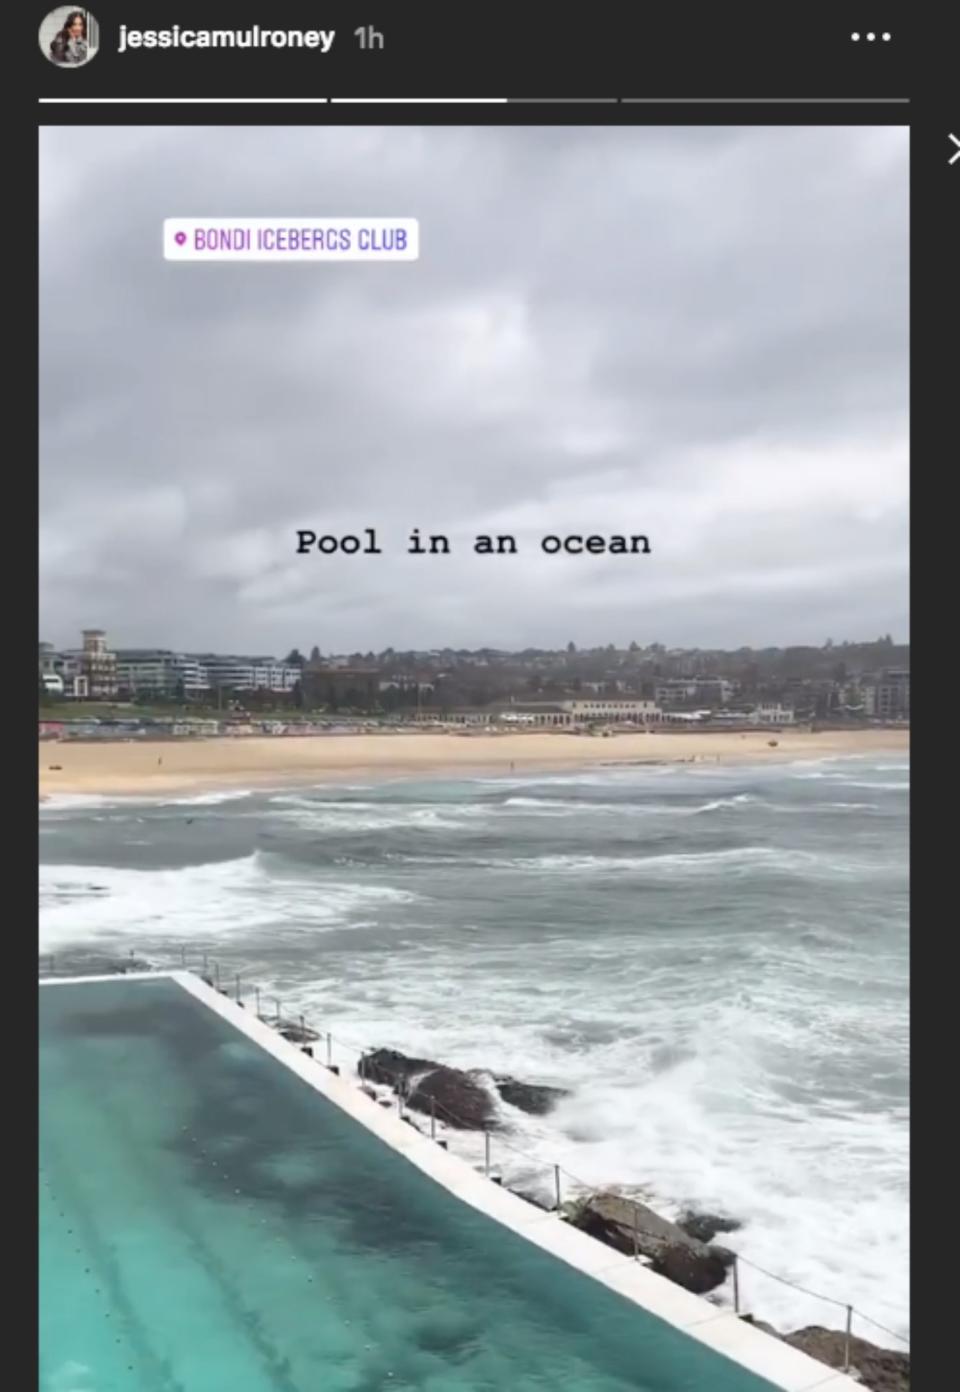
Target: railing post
pixel 736 1285
pixel 556 1181
pixel 486 1153
pixel 256 996
pixel 846 1339
pixel 183 956
pixel 303 1029
pixel 636 1235
pixel 216 974
pixel 433 1118
pixel 277 1004
pixel 238 987
pixel 329 1048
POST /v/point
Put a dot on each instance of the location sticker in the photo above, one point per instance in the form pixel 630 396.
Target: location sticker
pixel 291 239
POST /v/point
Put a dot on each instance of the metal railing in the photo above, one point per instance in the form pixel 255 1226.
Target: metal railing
pixel 309 1035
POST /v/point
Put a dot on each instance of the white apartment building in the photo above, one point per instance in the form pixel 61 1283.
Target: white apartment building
pixel 160 672
pixel 247 673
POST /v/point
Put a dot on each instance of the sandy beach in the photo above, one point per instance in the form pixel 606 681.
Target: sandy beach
pixel 146 767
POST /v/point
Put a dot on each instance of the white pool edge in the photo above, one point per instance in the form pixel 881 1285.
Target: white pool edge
pixel 720 1330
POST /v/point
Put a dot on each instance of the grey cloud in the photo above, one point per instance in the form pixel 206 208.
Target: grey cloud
pixel 699 334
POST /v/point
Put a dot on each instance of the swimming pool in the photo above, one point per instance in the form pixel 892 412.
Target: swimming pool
pixel 209 1222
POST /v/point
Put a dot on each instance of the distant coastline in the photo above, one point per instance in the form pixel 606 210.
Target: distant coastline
pixel 138 767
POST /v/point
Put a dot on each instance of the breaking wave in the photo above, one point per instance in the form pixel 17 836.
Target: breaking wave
pixel 206 903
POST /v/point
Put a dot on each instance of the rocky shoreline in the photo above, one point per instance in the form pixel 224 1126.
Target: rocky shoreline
pixel 461 1099
pixel 682 1251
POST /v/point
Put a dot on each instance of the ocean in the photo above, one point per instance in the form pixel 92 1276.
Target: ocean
pixel 713 960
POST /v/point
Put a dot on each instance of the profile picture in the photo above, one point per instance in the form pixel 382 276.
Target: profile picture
pixel 69 37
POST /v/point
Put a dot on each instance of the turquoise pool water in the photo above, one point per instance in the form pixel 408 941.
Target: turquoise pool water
pixel 210 1223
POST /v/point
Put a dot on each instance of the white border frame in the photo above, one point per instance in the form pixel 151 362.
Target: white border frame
pixel 720 1330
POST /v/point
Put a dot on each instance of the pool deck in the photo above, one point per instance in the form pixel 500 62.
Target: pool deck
pixel 722 1331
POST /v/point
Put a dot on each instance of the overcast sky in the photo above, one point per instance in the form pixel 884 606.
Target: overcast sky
pixel 696 334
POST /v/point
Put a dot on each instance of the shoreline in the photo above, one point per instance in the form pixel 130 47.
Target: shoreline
pixel 158 767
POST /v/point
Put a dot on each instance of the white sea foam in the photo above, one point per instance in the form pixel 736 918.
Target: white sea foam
pixel 883 787
pixel 625 809
pixel 207 799
pixel 805 808
pixel 205 903
pixel 738 800
pixel 820 773
pixel 367 816
pixel 739 860
pixel 82 802
pixel 76 802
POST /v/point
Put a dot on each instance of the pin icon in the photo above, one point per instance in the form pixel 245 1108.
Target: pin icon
pixel 180 238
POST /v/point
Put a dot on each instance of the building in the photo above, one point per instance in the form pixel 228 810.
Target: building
pixel 63 673
pixel 94 672
pixel 552 714
pixel 887 696
pixel 225 672
pixel 701 691
pixel 532 713
pixel 99 665
pixel 482 716
pixel 774 714
pixel 160 673
pixel 608 708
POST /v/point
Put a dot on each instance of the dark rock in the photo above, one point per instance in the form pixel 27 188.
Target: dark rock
pixel 459 1099
pixel 705 1226
pixel 697 1268
pixel 631 1227
pixel 535 1098
pixel 296 1034
pixel 462 1097
pixel 390 1068
pixel 457 1096
pixel 722 1254
pixel 880 1369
